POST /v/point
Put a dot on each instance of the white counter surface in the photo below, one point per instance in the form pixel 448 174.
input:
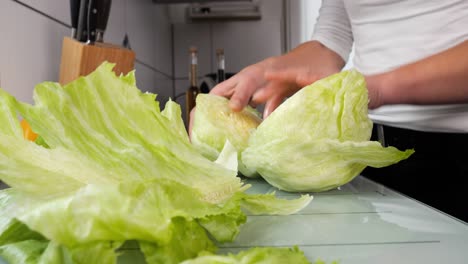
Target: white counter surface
pixel 361 222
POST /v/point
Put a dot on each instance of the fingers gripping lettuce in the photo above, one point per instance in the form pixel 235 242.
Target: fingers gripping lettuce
pixel 318 139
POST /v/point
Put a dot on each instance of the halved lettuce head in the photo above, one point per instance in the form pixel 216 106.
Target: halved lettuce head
pixel 215 123
pixel 318 139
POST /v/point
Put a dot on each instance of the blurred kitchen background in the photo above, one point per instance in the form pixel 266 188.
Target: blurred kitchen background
pixel 160 32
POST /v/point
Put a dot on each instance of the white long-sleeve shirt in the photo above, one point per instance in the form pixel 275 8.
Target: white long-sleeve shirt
pixel 390 33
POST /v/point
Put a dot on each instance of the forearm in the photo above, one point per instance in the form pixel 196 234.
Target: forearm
pixel 438 79
pixel 314 49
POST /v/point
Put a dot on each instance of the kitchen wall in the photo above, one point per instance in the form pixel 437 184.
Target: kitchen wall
pixel 301 19
pixel 160 34
pixel 244 42
pixel 32 34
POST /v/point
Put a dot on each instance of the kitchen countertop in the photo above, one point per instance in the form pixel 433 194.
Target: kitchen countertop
pixel 361 222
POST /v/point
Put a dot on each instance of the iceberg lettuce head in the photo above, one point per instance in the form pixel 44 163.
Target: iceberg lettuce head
pixel 318 139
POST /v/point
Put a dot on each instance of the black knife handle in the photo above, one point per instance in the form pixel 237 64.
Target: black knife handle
pixel 91 21
pixel 74 13
pixel 103 7
pixel 81 34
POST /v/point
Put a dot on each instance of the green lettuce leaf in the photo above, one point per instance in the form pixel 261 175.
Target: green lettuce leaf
pixel 26 251
pixel 264 255
pixel 215 123
pixel 318 165
pixel 318 139
pixel 173 112
pixel 111 167
pixel 107 120
pixel 45 252
pixel 8 116
pixel 191 238
pixel 268 204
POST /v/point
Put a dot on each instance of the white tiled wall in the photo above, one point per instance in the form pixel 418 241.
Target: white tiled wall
pixel 187 35
pixel 30 46
pixel 246 42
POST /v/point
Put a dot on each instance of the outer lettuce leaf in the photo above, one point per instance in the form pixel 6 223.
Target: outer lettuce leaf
pixel 96 252
pixel 269 204
pixel 228 157
pixel 25 252
pixel 331 108
pixel 26 165
pixel 108 120
pixel 318 165
pixel 318 139
pixel 13 203
pixel 115 169
pixel 8 118
pixel 215 123
pixel 191 239
pixel 224 227
pixel 45 252
pixel 16 231
pixel 173 112
pixel 128 211
pixel 255 256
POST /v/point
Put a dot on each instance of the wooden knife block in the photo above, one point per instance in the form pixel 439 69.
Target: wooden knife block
pixel 80 59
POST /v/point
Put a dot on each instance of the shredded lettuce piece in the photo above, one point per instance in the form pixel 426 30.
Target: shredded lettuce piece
pixel 264 255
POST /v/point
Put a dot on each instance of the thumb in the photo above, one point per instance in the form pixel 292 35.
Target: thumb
pixel 271 105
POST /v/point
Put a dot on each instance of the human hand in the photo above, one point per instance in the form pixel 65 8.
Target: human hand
pixel 251 86
pixel 270 81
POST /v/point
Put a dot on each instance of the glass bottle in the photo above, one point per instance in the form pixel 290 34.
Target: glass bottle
pixel 220 61
pixel 193 89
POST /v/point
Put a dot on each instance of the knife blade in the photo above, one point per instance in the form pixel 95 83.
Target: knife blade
pixel 74 13
pixel 126 42
pixel 103 8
